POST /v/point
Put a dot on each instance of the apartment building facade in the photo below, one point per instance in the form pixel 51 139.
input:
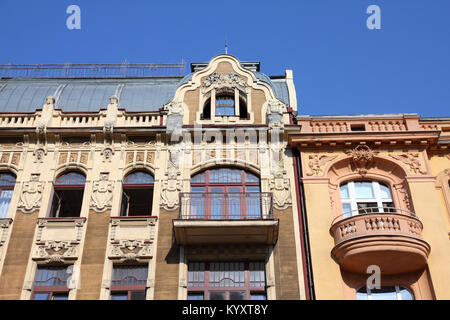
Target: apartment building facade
pixel 150 187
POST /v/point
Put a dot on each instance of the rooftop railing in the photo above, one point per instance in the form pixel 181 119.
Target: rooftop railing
pixel 69 70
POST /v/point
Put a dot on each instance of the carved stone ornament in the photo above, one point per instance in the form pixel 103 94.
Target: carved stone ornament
pixel 362 158
pixel 174 122
pixel 107 154
pixel 280 187
pixel 39 155
pixel 131 250
pixel 56 251
pixel 171 187
pixel 275 110
pixel 31 195
pixel 411 160
pixel 102 193
pixel 220 80
pixel 316 163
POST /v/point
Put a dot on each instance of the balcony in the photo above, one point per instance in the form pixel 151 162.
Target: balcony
pixel 226 218
pixel 391 240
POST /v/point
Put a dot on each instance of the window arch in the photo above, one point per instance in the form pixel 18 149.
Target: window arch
pixel 137 195
pixel 226 193
pixel 384 293
pixel 68 194
pixel 359 197
pixel 7 183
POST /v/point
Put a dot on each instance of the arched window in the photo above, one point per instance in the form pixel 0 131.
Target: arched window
pixel 68 195
pixel 226 106
pixel 137 196
pixel 359 197
pixel 225 193
pixel 384 293
pixel 7 183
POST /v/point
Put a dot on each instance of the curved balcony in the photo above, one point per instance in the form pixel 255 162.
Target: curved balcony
pixel 391 240
pixel 226 218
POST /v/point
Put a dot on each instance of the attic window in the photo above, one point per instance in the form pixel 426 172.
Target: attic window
pixel 225 105
pixel 358 127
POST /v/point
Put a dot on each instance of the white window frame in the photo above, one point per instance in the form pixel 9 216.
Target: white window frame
pixel 397 293
pixel 353 201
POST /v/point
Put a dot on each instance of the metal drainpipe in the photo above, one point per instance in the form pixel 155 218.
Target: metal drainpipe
pixel 304 224
pixel 304 233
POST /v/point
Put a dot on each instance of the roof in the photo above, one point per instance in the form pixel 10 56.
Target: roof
pixel 92 94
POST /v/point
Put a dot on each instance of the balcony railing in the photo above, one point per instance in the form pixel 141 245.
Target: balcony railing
pixel 378 236
pixel 226 206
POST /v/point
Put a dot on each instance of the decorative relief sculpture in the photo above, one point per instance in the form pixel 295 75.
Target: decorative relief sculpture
pixel 39 154
pixel 229 80
pixel 411 160
pixel 102 193
pixel 280 187
pixel 362 158
pixel 56 251
pixel 107 154
pixel 275 110
pixel 317 162
pixel 31 195
pixel 131 250
pixel 174 122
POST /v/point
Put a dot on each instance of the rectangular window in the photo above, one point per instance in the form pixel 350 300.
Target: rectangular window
pixel 50 283
pixel 5 200
pixel 226 281
pixel 129 282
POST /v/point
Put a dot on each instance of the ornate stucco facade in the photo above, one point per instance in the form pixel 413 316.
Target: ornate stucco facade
pixel 408 239
pixel 173 141
pixel 213 185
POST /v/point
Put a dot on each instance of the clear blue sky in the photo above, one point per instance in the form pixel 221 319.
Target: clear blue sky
pixel 340 66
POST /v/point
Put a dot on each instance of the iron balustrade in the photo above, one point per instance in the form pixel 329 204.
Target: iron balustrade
pixel 226 206
pixel 373 210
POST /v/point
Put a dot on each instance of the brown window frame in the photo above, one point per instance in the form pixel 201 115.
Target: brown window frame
pixel 206 289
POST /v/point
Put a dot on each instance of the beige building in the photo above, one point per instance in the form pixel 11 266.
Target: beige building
pixel 211 186
pixel 141 187
pixel 377 200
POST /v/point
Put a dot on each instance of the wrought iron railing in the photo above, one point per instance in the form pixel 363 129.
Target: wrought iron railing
pixel 373 210
pixel 226 206
pixel 70 70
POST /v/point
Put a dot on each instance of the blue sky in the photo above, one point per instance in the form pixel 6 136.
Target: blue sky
pixel 340 66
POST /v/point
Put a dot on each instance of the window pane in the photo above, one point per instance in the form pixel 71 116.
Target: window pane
pixel 71 178
pixel 346 209
pixel 406 294
pixel 119 296
pixel 234 203
pixel 237 296
pixel 195 296
pixel 5 200
pixel 139 177
pixel 61 296
pixel 344 191
pixel 129 275
pixel 385 192
pixel 367 207
pixel 199 178
pixel 384 293
pixel 51 277
pixel 7 180
pixel 258 296
pixel 41 296
pixel 217 296
pixel 363 190
pixel 138 295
